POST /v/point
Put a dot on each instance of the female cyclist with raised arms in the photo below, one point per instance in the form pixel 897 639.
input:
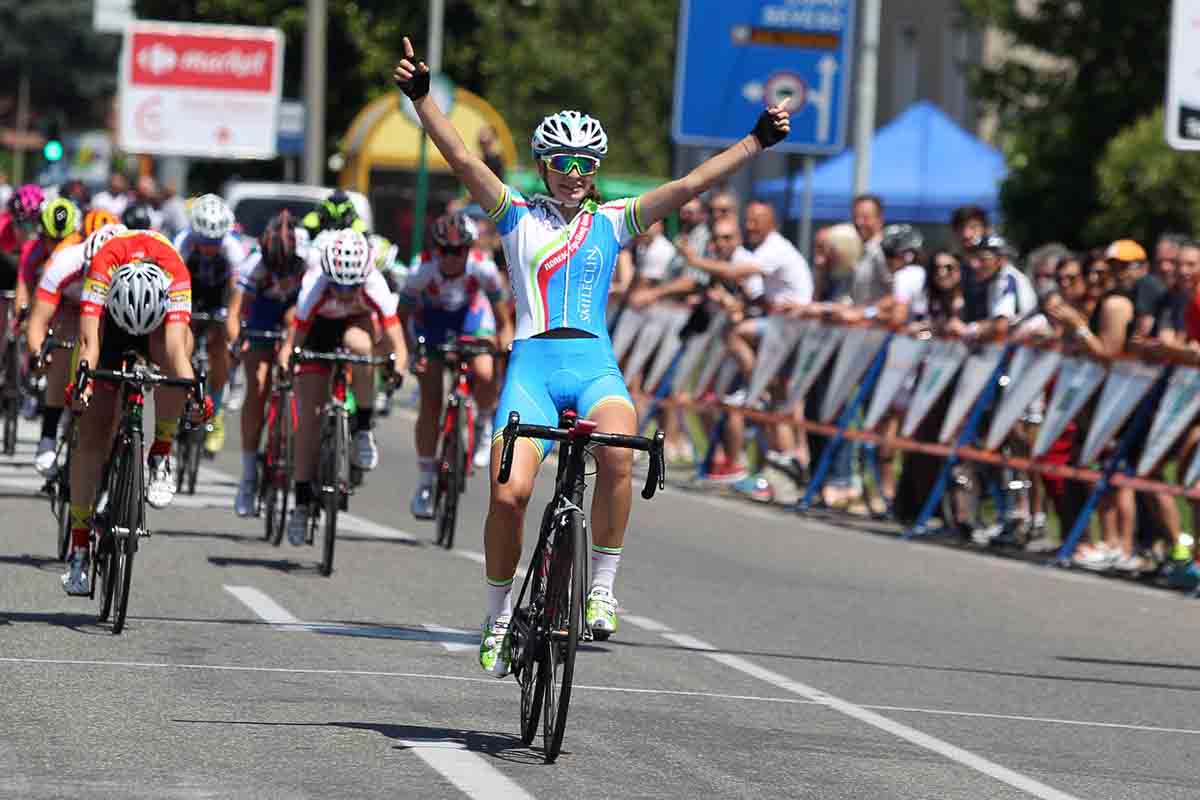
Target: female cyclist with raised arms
pixel 561 249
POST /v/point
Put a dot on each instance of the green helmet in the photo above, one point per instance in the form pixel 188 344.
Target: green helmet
pixel 59 218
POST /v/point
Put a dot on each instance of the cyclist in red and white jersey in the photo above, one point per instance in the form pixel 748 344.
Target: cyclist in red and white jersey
pixel 456 291
pixel 344 303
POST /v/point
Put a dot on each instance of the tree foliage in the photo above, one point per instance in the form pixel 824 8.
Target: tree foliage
pixel 1056 118
pixel 1145 187
pixel 70 66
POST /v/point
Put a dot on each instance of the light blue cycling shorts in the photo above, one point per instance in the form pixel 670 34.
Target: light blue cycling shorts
pixel 548 376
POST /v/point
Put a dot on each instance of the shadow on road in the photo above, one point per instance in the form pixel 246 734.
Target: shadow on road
pixel 80 623
pixel 1040 676
pixel 1118 662
pixel 225 535
pixel 43 563
pixel 498 745
pixel 277 564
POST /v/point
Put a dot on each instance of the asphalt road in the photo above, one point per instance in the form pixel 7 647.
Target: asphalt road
pixel 760 655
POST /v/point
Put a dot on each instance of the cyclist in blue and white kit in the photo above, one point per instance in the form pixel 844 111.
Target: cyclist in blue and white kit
pixel 268 284
pixel 561 250
pixel 456 291
pixel 212 253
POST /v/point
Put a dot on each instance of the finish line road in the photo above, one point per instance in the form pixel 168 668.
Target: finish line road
pixel 759 655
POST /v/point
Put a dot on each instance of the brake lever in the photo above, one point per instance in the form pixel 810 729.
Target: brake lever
pixel 510 438
pixel 656 474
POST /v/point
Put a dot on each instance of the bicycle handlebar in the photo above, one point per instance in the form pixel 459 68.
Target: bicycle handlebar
pixel 49 345
pixel 467 346
pixel 341 357
pixel 140 377
pixel 206 318
pixel 655 476
pixel 254 333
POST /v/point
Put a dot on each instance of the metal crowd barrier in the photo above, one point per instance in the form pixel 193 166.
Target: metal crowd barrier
pixel 1137 401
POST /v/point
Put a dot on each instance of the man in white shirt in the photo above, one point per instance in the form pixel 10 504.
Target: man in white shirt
pixel 872 279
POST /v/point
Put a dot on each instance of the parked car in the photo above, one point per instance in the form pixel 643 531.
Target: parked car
pixel 255 202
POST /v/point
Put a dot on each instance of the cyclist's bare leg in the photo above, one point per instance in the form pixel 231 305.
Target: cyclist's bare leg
pixel 486 387
pixel 218 359
pixel 95 428
pixel 312 389
pixel 171 347
pixel 358 339
pixel 257 366
pixel 58 373
pixel 430 412
pixel 505 521
pixel 613 495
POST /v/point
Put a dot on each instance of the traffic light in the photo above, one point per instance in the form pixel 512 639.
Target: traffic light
pixel 52 150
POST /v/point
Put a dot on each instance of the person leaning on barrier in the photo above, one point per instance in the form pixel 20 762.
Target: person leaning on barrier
pixel 1166 257
pixel 901 246
pixel 1000 295
pixel 1042 266
pixel 871 277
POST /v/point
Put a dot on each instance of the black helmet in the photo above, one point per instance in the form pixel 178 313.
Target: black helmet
pixel 137 217
pixel 900 239
pixel 337 211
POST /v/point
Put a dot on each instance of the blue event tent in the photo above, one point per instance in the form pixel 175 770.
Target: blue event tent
pixel 922 164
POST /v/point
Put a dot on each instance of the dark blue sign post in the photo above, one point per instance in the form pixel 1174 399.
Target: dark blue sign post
pixel 737 57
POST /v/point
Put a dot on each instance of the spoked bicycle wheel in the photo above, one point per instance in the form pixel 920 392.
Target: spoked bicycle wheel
pixel 528 640
pixel 193 466
pixel 564 612
pixel 10 426
pixel 333 483
pixel 447 486
pixel 62 511
pixel 129 514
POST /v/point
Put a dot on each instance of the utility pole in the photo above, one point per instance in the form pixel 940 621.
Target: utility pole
pixel 18 160
pixel 437 16
pixel 314 92
pixel 868 79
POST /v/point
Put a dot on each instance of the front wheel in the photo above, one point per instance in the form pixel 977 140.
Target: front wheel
pixel 564 612
pixel 129 514
pixel 62 510
pixel 10 426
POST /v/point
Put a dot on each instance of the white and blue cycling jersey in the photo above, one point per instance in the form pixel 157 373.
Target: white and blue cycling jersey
pixel 561 270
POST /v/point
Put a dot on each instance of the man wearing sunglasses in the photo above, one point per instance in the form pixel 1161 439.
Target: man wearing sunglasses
pixel 453 293
pixel 213 254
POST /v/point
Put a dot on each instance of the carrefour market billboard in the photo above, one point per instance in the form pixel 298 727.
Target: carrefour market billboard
pixel 208 91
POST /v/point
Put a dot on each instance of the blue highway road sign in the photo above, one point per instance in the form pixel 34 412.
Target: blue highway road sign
pixel 735 58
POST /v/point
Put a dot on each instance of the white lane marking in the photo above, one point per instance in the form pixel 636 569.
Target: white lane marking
pixel 456 640
pixel 262 605
pixel 600 689
pixel 953 752
pixel 468 771
pixel 269 611
pixel 645 623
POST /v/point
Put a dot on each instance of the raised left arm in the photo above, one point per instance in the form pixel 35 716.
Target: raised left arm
pixel 773 126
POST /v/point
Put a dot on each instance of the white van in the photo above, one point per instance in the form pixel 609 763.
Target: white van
pixel 255 202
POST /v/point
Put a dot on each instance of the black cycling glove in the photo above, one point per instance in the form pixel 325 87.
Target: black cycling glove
pixel 765 131
pixel 418 87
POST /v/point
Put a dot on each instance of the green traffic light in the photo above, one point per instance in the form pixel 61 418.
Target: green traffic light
pixel 53 150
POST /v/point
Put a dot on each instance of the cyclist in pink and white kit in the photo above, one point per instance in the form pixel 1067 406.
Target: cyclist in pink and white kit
pixel 453 293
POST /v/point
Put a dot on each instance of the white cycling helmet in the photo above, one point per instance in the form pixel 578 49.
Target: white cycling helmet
pixel 569 132
pixel 137 299
pixel 93 243
pixel 211 218
pixel 346 258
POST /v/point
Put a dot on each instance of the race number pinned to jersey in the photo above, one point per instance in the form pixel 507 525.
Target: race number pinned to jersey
pixel 777 344
pixel 975 374
pixel 627 331
pixel 903 356
pixel 854 359
pixel 654 324
pixel 1127 384
pixel 1176 410
pixel 941 365
pixel 1029 372
pixel 669 348
pixel 700 349
pixel 1078 379
pixel 817 345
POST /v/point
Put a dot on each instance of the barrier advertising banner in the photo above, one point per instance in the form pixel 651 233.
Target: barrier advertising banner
pixel 975 373
pixel 1030 371
pixel 1078 379
pixel 903 356
pixel 777 344
pixel 1176 410
pixel 817 346
pixel 1127 384
pixel 209 91
pixel 854 359
pixel 698 348
pixel 941 365
pixel 654 325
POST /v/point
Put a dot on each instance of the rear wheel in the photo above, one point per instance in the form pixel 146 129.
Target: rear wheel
pixel 281 472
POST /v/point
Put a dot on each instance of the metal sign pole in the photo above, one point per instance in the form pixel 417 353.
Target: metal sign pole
pixel 314 93
pixel 437 14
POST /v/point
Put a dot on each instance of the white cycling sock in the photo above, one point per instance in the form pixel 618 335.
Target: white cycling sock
pixel 499 598
pixel 604 566
pixel 425 466
pixel 249 464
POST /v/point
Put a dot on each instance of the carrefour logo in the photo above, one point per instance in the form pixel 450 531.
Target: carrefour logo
pixel 157 59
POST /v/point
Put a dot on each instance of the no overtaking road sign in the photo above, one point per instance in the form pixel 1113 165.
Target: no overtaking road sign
pixel 734 58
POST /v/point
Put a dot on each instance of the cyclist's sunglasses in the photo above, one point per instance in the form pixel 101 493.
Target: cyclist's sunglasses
pixel 339 210
pixel 453 250
pixel 564 163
